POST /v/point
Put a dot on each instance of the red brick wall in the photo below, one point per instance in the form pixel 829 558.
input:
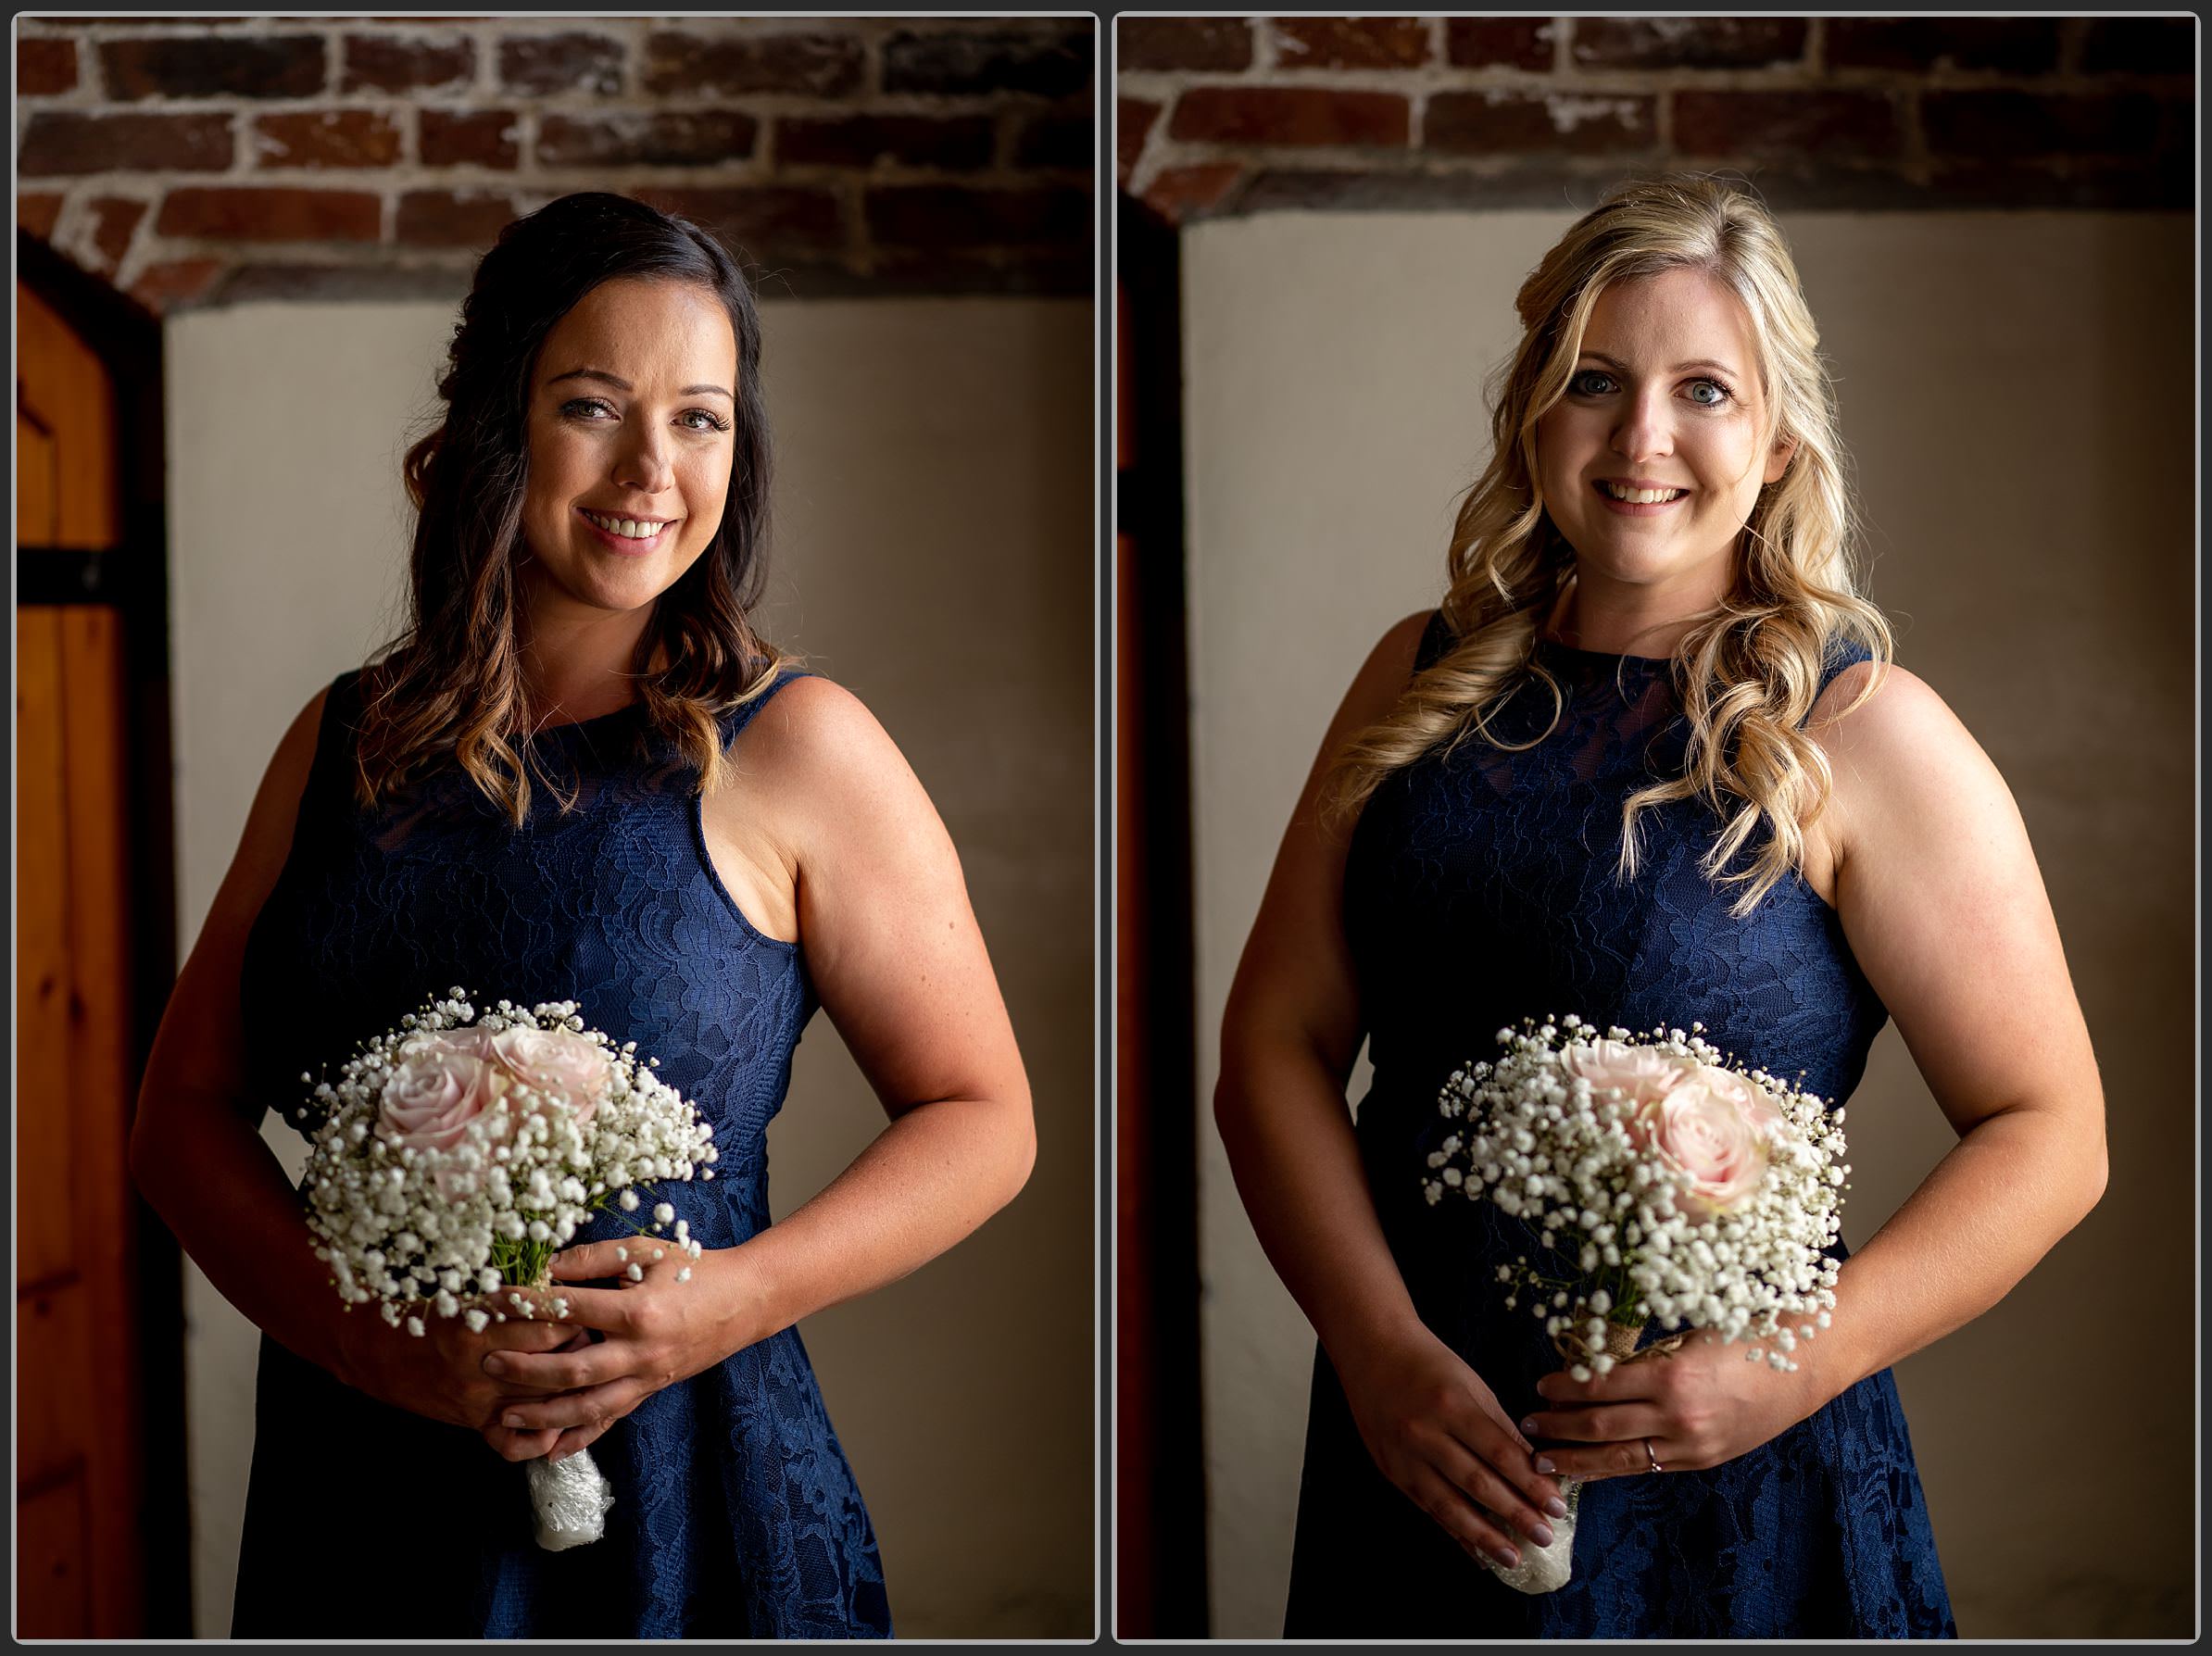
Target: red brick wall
pixel 197 160
pixel 1238 115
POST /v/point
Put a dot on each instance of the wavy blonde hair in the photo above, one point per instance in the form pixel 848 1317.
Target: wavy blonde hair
pixel 1747 672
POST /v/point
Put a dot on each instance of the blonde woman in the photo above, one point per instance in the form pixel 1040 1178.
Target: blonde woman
pixel 1648 762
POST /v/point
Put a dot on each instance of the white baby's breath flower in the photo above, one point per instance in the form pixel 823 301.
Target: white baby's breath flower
pixel 1560 1142
pixel 479 1202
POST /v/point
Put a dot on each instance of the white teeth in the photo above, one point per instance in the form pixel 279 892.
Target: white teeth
pixel 629 528
pixel 1642 496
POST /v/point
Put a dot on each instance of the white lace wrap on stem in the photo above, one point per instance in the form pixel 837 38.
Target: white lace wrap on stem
pixel 1546 1569
pixel 569 1499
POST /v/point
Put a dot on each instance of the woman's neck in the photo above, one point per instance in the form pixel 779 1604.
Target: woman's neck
pixel 1617 619
pixel 578 664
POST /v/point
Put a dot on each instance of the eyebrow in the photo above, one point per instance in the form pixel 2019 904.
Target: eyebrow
pixel 620 383
pixel 1679 367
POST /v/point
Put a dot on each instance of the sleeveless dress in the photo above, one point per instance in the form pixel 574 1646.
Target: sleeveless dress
pixel 1480 888
pixel 735 1515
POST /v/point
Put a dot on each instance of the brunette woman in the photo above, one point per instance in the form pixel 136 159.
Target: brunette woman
pixel 580 775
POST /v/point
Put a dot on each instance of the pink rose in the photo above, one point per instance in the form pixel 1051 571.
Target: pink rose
pixel 1714 1127
pixel 1638 1074
pixel 441 1085
pixel 556 1064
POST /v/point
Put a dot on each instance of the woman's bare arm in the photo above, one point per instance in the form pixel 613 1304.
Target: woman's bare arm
pixel 1938 893
pixel 1290 1032
pixel 900 963
pixel 1289 1035
pixel 196 1150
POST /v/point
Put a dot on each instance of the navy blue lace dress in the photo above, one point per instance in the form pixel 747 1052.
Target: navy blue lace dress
pixel 1480 889
pixel 735 1514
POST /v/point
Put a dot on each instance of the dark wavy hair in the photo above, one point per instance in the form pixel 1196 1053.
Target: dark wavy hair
pixel 451 682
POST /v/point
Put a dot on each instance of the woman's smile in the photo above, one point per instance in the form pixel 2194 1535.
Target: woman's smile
pixel 1632 499
pixel 630 537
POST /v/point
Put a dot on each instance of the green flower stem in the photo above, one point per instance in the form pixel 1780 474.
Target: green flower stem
pixel 1627 1310
pixel 527 1264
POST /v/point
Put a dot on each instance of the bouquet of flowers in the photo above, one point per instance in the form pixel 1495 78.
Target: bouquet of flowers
pixel 1659 1183
pixel 455 1155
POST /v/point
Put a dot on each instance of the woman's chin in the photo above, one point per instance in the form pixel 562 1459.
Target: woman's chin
pixel 1637 560
pixel 610 581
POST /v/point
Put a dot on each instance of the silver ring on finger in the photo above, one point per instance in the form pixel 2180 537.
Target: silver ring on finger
pixel 1652 1458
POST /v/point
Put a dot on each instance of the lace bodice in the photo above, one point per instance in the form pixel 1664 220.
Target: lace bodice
pixel 1481 887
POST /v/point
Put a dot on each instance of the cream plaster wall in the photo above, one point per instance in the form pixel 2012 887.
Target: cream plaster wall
pixel 2017 391
pixel 935 554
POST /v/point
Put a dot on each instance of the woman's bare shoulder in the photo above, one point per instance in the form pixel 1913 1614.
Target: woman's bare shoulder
pixel 1387 670
pixel 1397 650
pixel 812 724
pixel 284 784
pixel 820 761
pixel 1886 715
pixel 266 841
pixel 1902 761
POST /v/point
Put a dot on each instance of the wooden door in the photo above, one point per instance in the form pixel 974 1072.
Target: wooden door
pixel 1159 1554
pixel 79 1484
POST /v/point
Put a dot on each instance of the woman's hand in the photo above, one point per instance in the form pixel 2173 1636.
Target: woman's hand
pixel 658 1330
pixel 441 1374
pixel 1439 1432
pixel 1699 1406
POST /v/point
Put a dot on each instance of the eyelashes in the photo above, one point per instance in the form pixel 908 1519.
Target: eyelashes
pixel 578 408
pixel 1592 382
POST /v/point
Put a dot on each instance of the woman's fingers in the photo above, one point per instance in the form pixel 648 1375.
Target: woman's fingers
pixel 520 1446
pixel 504 1364
pixel 610 1311
pixel 575 1365
pixel 1478 1532
pixel 1506 1452
pixel 1603 1441
pixel 597 1406
pixel 1618 1384
pixel 593 1261
pixel 574 1439
pixel 1592 1461
pixel 537 1334
pixel 1491 1489
pixel 1606 1422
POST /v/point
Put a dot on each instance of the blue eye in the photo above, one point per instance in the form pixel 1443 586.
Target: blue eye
pixel 1588 382
pixel 1720 393
pixel 714 422
pixel 581 406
